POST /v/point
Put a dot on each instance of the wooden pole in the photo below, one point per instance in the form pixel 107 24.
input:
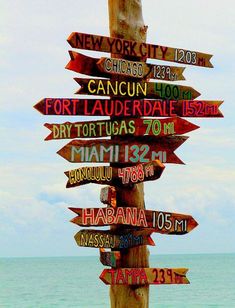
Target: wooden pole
pixel 126 21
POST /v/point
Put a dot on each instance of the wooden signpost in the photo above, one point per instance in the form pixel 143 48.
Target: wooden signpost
pixel 110 258
pixel 126 127
pixel 161 222
pixel 124 151
pixel 142 276
pixel 106 67
pixel 138 49
pixel 136 151
pixel 108 239
pixel 115 176
pixel 116 88
pixel 129 107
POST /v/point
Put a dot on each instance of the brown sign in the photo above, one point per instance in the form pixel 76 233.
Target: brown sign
pixel 129 107
pixel 107 239
pixel 115 176
pixel 161 222
pixel 144 276
pixel 124 127
pixel 134 89
pixel 123 151
pixel 110 258
pixel 137 69
pixel 108 196
pixel 138 49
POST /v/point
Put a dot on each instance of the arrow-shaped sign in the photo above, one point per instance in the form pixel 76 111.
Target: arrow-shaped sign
pixel 129 107
pixel 130 127
pixel 137 69
pixel 110 258
pixel 143 276
pixel 161 222
pixel 106 67
pixel 138 49
pixel 146 149
pixel 115 176
pixel 107 239
pixel 126 88
pixel 108 196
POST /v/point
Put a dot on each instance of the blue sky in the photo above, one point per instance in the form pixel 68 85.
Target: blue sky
pixel 34 219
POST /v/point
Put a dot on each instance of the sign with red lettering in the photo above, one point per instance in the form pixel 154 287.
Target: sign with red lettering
pixel 107 239
pixel 161 222
pixel 110 258
pixel 146 149
pixel 124 127
pixel 138 49
pixel 108 196
pixel 129 107
pixel 106 67
pixel 115 176
pixel 126 88
pixel 143 276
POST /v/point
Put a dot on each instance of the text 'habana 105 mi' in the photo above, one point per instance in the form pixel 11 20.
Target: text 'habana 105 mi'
pixel 161 222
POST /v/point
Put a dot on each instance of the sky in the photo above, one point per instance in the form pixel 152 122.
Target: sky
pixel 34 219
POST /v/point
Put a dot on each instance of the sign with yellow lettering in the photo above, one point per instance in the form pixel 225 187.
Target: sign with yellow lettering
pixel 124 127
pixel 115 176
pixel 136 89
pixel 107 239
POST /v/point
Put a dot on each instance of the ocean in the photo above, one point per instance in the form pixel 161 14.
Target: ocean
pixel 66 282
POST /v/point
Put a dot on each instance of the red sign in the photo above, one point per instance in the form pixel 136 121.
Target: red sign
pixel 138 49
pixel 115 176
pixel 144 276
pixel 84 65
pixel 123 151
pixel 124 127
pixel 129 107
pixel 126 88
pixel 161 222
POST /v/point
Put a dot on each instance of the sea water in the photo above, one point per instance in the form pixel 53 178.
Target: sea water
pixel 74 282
